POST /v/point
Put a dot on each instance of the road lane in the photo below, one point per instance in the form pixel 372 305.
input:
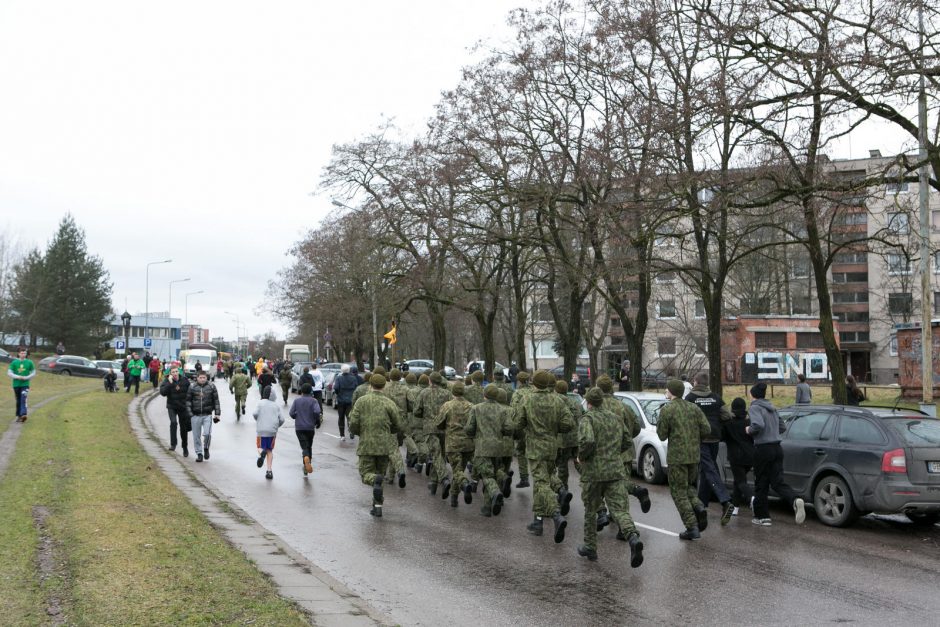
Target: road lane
pixel 426 563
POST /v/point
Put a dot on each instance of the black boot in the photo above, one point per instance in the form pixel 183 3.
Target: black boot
pixel 701 514
pixel 409 461
pixel 453 498
pixel 496 504
pixel 473 486
pixel 560 524
pixel 523 482
pixel 418 468
pixel 427 467
pixel 205 447
pixel 535 527
pixel 376 511
pixel 401 480
pixel 564 500
pixel 603 519
pixel 377 489
pixel 486 510
pixel 506 488
pixel 691 533
pixel 468 494
pixel 644 495
pixel 591 554
pixel 432 487
pixel 636 550
pixel 445 489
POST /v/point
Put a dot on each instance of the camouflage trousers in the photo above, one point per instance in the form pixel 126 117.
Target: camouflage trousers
pixel 458 461
pixel 521 458
pixel 628 456
pixel 433 443
pixel 565 455
pixel 239 405
pixel 544 497
pixel 594 493
pixel 395 464
pixel 491 471
pixel 683 485
pixel 372 465
pixel 285 388
pixel 411 447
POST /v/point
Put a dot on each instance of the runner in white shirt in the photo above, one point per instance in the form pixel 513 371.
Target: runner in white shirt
pixel 317 383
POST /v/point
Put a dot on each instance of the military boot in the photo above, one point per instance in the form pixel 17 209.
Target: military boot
pixel 506 488
pixel 564 500
pixel 603 519
pixel 636 550
pixel 701 514
pixel 535 527
pixel 427 466
pixel 445 489
pixel 418 468
pixel 377 489
pixel 376 511
pixel 468 494
pixel 473 486
pixel 453 497
pixel 560 524
pixel 486 510
pixel 589 553
pixel 691 533
pixel 409 461
pixel 523 482
pixel 644 496
pixel 496 504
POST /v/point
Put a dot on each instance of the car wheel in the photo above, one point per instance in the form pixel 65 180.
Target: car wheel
pixel 833 502
pixel 650 467
pixel 924 519
pixel 67 373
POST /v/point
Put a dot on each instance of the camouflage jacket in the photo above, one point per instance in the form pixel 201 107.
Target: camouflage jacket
pixel 360 391
pixel 542 415
pixel 375 419
pixel 506 387
pixel 398 392
pixel 601 440
pixel 429 406
pixel 684 425
pixel 284 376
pixel 451 420
pixel 491 429
pixel 414 424
pixel 617 407
pixel 239 384
pixel 570 439
pixel 473 393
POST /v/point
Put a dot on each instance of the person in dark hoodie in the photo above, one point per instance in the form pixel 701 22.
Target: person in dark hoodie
pixel 766 428
pixel 709 479
pixel 343 388
pixel 306 414
pixel 740 453
pixel 175 389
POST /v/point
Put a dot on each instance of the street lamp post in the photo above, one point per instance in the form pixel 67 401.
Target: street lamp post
pixel 238 326
pixel 186 313
pixel 169 314
pixel 147 299
pixel 126 319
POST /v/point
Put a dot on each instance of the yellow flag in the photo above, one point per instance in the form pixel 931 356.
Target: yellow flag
pixel 392 336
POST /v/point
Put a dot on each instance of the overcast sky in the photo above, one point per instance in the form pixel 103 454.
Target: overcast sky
pixel 197 130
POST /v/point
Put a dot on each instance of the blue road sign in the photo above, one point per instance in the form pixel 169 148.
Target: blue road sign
pixel 119 345
pixel 148 342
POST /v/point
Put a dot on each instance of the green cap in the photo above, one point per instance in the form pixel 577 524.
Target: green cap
pixel 606 384
pixel 377 381
pixel 457 389
pixel 594 397
pixel 492 392
pixel 542 379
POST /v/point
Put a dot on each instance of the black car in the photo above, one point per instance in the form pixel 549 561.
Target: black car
pixel 655 379
pixel 5 356
pixel 70 365
pixel 852 461
pixel 584 372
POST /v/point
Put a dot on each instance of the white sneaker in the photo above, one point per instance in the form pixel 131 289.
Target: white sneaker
pixel 800 508
pixel 343 439
pixel 734 512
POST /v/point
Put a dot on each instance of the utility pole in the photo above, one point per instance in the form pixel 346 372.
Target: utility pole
pixel 925 295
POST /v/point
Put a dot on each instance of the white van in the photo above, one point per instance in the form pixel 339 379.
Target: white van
pixel 204 356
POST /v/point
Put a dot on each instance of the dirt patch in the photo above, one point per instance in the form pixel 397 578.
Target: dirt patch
pixel 48 564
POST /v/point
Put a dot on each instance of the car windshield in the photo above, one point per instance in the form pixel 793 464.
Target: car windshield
pixel 917 431
pixel 651 408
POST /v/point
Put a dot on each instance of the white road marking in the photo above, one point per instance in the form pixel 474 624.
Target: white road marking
pixel 657 529
pixel 330 434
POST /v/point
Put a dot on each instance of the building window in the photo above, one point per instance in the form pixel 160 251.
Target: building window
pixel 543 349
pixel 900 304
pixel 808 340
pixel 700 309
pixel 936 262
pixel 665 277
pixel 543 313
pixel 853 336
pixel 770 339
pixel 800 305
pixel 615 322
pixel 666 346
pixel 893 346
pixel 855 316
pixel 851 257
pixel 701 344
pixel 849 277
pixel 898 223
pixel 935 220
pixel 898 263
pixel 936 302
pixel 800 268
pixel 850 297
pixel 851 219
pixel 666 310
pixel 900 187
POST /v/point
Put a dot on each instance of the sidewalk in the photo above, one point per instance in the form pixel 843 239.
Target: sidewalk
pixel 329 602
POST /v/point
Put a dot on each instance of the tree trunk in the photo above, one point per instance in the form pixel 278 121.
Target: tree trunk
pixel 438 334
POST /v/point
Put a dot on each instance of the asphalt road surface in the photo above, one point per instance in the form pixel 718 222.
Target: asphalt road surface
pixel 425 563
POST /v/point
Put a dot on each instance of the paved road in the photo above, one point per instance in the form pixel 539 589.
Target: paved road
pixel 425 563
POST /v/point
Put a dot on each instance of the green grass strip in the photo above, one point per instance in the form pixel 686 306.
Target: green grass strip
pixel 127 546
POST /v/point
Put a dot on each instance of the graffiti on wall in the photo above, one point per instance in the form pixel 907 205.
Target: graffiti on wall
pixel 780 366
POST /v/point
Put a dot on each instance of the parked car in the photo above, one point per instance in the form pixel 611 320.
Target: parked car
pixel 70 365
pixel 479 365
pixel 104 364
pixel 422 366
pixel 650 461
pixel 329 376
pixel 852 461
pixel 584 372
pixel 5 356
pixel 295 372
pixel 655 379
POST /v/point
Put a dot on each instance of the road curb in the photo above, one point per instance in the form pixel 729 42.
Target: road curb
pixel 327 601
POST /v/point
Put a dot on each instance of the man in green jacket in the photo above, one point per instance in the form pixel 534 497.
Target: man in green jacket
pixel 602 439
pixel 375 419
pixel 489 424
pixel 458 447
pixel 473 389
pixel 541 415
pixel 238 385
pixel 684 425
pixel 429 406
pixel 134 367
pixel 522 389
pixel 568 442
pixel 21 370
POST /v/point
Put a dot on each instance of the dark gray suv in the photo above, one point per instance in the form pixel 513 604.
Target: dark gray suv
pixel 852 461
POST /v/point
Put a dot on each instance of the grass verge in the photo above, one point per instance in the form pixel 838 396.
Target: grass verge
pixel 91 533
pixel 42 387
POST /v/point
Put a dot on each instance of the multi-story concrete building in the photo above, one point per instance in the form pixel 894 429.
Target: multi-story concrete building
pixel 194 334
pixel 164 333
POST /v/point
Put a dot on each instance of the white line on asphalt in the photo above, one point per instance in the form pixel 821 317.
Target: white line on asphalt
pixel 331 435
pixel 663 531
